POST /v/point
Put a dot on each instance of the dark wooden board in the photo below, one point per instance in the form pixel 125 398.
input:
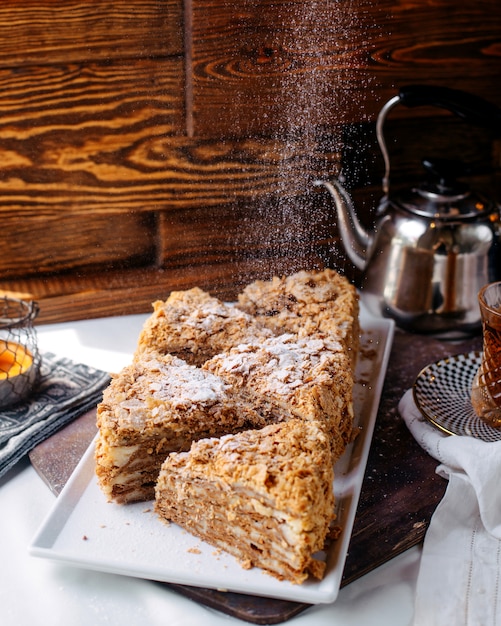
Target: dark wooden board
pixel 401 489
pixel 56 457
pixel 399 495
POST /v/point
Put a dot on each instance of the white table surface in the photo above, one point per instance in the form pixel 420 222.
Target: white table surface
pixel 35 591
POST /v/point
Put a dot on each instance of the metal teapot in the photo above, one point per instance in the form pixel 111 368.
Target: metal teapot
pixel 435 245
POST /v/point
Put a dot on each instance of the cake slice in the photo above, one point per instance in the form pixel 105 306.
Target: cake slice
pixel 157 405
pixel 265 496
pixel 288 376
pixel 306 303
pixel 195 326
pixel 160 404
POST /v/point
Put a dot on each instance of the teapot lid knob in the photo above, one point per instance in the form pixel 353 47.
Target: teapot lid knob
pixel 442 195
pixel 442 178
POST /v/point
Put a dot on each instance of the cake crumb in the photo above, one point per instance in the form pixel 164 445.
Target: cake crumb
pixel 334 533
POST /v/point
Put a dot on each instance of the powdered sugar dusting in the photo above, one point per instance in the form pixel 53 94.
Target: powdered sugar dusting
pixel 282 363
pixel 183 385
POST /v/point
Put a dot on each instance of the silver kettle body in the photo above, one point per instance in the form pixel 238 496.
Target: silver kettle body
pixel 436 245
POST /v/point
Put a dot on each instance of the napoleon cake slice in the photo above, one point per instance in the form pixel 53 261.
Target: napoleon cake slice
pixel 156 405
pixel 305 377
pixel 265 496
pixel 195 326
pixel 307 303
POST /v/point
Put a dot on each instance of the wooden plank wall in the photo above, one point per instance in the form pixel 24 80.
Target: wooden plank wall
pixel 151 145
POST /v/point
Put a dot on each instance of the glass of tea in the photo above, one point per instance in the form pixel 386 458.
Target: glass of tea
pixel 486 386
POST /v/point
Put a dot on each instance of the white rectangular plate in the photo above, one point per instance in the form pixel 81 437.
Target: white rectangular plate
pixel 84 530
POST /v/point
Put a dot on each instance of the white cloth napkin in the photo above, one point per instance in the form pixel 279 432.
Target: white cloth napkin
pixel 459 581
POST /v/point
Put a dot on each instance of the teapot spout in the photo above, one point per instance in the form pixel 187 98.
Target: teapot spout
pixel 356 240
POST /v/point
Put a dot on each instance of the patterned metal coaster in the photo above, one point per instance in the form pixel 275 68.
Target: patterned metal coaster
pixel 442 394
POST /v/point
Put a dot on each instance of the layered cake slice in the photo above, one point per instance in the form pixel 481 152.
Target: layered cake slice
pixel 157 405
pixel 265 496
pixel 289 376
pixel 306 303
pixel 195 326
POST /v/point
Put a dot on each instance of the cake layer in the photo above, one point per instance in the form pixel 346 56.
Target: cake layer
pixel 306 377
pixel 195 326
pixel 265 496
pixel 306 303
pixel 157 405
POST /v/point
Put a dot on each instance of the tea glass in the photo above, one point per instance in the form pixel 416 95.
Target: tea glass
pixel 486 386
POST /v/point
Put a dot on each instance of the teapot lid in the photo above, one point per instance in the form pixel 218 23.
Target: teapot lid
pixel 442 196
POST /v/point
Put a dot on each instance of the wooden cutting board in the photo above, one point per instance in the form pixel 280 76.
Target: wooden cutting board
pixel 399 493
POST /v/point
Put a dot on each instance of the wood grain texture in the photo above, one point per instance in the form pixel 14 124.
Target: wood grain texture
pixel 180 138
pixel 104 292
pixel 299 63
pixel 266 229
pixel 457 44
pixel 271 70
pixel 46 244
pixel 71 31
pixel 87 138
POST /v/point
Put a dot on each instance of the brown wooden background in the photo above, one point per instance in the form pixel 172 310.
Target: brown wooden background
pixel 150 145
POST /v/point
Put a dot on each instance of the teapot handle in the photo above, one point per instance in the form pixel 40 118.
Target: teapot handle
pixel 467 106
